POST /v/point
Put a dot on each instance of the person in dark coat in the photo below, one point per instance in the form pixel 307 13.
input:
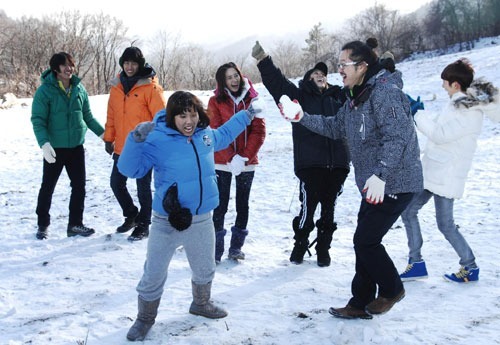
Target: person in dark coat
pixel 320 163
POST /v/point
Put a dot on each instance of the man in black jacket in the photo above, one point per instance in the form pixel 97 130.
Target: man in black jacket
pixel 321 164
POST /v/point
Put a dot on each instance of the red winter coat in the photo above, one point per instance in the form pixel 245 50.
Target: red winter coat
pixel 248 143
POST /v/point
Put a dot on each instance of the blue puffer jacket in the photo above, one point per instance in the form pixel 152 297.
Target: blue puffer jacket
pixel 187 161
pixel 380 133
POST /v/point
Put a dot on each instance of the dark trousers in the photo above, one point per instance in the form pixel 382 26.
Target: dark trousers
pixel 318 186
pixel 243 187
pixel 73 160
pixel 374 267
pixel 118 184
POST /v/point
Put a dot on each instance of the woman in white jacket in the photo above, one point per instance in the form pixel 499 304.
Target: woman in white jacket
pixel 451 143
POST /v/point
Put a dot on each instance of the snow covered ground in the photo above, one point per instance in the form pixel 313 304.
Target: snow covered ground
pixel 82 290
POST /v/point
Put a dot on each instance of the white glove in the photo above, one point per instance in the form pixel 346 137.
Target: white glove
pixel 374 188
pixel 256 108
pixel 237 164
pixel 290 110
pixel 48 153
pixel 142 130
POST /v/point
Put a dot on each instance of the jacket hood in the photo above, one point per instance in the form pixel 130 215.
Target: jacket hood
pixel 50 78
pixel 481 95
pixel 480 92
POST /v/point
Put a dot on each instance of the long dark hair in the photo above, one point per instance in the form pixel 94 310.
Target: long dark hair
pixel 220 78
pixel 182 101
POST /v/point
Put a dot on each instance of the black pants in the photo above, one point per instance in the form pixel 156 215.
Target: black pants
pixel 118 184
pixel 318 186
pixel 243 187
pixel 73 160
pixel 374 267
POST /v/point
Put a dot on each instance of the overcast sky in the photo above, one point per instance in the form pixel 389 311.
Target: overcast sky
pixel 203 22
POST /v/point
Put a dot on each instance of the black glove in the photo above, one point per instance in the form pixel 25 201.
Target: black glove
pixel 109 147
pixel 179 217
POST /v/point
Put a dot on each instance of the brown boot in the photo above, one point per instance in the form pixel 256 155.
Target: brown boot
pixel 382 305
pixel 349 312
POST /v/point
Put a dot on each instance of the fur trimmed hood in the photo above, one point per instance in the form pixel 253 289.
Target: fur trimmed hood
pixel 482 95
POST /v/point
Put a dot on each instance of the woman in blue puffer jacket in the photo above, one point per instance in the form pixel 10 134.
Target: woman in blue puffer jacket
pixel 180 147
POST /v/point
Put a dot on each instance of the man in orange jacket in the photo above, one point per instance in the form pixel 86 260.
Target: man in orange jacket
pixel 135 97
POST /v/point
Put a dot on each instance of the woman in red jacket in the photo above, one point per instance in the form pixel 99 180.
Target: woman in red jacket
pixel 233 93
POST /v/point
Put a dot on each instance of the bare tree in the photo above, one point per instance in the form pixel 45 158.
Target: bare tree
pixel 200 68
pixel 316 46
pixel 167 59
pixel 288 57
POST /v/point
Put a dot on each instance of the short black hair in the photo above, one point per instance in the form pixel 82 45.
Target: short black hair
pixel 59 59
pixel 460 71
pixel 361 51
pixel 182 101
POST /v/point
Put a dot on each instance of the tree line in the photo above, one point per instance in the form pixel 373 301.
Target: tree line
pixel 97 40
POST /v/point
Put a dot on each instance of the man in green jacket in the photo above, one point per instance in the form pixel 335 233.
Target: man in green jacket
pixel 60 116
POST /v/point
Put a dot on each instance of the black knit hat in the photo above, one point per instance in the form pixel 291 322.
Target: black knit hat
pixel 321 66
pixel 133 54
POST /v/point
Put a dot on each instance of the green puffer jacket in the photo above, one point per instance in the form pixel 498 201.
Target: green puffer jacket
pixel 61 120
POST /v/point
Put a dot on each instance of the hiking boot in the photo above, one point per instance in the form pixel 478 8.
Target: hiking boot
pixel 42 232
pixel 128 224
pixel 349 312
pixel 140 232
pixel 464 275
pixel 298 252
pixel 382 305
pixel 79 230
pixel 414 271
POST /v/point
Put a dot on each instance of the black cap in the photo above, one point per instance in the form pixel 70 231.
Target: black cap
pixel 321 66
pixel 133 54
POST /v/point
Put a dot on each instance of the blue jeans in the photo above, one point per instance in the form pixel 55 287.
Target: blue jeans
pixel 243 187
pixel 199 245
pixel 118 184
pixel 445 223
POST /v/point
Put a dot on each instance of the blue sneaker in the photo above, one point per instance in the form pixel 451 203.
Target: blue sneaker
pixel 414 271
pixel 464 275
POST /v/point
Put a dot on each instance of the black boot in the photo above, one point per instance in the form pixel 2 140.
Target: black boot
pixel 219 244
pixel 325 234
pixel 128 224
pixel 140 232
pixel 145 319
pixel 301 242
pixel 237 240
pixel 42 232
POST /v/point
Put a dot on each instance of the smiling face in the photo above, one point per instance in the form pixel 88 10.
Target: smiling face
pixel 319 79
pixel 233 79
pixel 352 73
pixel 187 121
pixel 65 72
pixel 130 68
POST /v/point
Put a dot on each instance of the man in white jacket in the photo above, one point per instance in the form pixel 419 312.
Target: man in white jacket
pixel 451 143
